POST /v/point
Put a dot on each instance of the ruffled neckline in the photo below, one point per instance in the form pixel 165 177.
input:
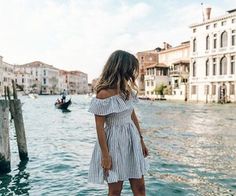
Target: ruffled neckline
pixel 112 104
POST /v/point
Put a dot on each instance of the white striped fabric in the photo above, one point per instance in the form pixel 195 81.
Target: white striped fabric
pixel 123 141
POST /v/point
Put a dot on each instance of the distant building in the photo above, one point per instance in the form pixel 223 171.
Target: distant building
pixel 77 82
pixel 213 55
pixel 6 75
pixel 1 78
pixel 146 59
pixel 45 77
pixel 164 67
pixel 74 82
pixel 93 85
pixel 177 60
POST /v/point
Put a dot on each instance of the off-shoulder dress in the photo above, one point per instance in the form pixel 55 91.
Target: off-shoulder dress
pixel 123 141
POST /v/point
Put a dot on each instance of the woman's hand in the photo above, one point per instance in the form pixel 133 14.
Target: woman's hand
pixel 144 148
pixel 106 164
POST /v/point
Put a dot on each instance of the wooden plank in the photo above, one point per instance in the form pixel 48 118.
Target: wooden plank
pixel 20 129
pixel 5 157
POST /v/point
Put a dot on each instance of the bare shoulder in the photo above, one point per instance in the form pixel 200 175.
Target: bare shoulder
pixel 105 93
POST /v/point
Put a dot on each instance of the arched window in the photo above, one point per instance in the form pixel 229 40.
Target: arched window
pixel 207 42
pixel 223 66
pixel 194 45
pixel 194 69
pixel 223 39
pixel 214 41
pixel 207 67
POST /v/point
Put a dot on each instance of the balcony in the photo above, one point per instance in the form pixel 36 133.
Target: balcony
pixel 178 73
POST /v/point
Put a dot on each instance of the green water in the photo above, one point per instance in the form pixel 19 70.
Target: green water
pixel 192 149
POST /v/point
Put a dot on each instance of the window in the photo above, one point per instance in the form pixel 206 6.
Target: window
pixel 207 67
pixel 207 42
pixel 223 23
pixel 215 41
pixel 23 80
pixel 206 90
pixel 232 65
pixel 213 90
pixel 147 83
pixel 44 72
pixel 223 66
pixel 36 73
pixel 233 38
pixel 44 81
pixel 232 89
pixel 194 30
pixel 215 25
pixel 194 69
pixel 233 20
pixel 193 90
pixel 214 67
pixel 208 26
pixel 152 83
pixel 223 40
pixel 194 45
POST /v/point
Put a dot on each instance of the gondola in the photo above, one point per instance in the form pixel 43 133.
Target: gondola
pixel 63 106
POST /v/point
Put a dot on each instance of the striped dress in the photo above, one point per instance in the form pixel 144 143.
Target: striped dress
pixel 123 141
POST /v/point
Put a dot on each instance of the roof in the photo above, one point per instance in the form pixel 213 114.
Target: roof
pixel 230 13
pixel 181 62
pixel 157 65
pixel 38 64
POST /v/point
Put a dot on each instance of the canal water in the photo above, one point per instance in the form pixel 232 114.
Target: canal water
pixel 192 149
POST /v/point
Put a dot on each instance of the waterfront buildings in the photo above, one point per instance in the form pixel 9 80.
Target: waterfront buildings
pixel 45 78
pixel 145 58
pixel 177 60
pixel 41 78
pixel 166 67
pixel 6 74
pixel 213 53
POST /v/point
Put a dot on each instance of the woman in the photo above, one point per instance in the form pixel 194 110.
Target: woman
pixel 120 150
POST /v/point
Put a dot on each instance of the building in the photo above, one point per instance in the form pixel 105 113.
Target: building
pixel 146 59
pixel 93 85
pixel 1 78
pixel 213 52
pixel 166 67
pixel 6 75
pixel 23 80
pixel 177 60
pixel 45 77
pixel 78 82
pixel 74 82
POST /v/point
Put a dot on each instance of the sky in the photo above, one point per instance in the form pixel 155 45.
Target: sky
pixel 81 34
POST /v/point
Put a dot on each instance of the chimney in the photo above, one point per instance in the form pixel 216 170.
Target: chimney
pixel 208 13
pixel 166 46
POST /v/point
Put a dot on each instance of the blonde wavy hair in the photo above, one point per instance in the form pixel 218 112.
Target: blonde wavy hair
pixel 119 72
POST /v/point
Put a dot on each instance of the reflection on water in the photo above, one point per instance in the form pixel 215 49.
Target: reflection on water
pixel 192 149
pixel 17 183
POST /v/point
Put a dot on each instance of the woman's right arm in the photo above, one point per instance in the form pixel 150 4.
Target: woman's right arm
pixel 105 159
pixel 100 121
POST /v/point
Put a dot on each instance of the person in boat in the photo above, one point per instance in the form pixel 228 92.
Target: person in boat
pixel 63 99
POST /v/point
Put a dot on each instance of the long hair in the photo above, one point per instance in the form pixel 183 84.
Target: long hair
pixel 119 72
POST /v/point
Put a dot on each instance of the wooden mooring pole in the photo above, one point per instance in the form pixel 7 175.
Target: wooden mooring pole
pixel 5 155
pixel 15 106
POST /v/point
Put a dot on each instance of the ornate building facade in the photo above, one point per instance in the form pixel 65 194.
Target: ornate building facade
pixel 213 55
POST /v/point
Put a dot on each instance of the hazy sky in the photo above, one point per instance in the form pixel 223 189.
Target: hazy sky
pixel 81 34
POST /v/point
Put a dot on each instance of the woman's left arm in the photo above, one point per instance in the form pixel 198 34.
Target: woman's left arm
pixel 135 120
